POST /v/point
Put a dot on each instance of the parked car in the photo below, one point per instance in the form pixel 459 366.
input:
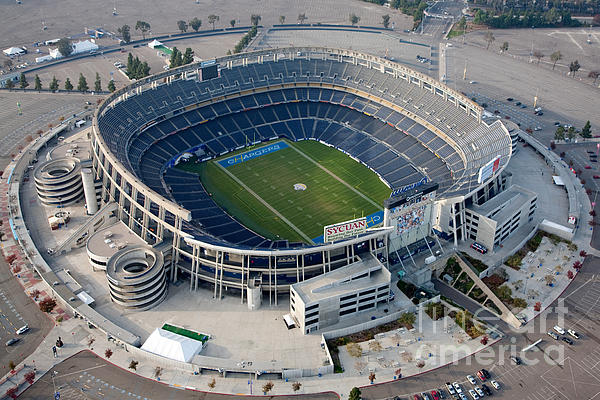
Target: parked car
pixel 474 395
pixel 495 384
pixel 457 387
pixel 486 373
pixel 22 330
pixel 486 389
pixel 450 388
pixel 588 167
pixel 566 340
pixel 471 380
pixel 481 376
pixel 425 396
pixel 596 176
pixel 518 103
pixel 559 329
pixel 479 391
pixel 571 331
pixel 435 395
pixel 516 360
pixel 12 341
pixel 417 397
pixel 553 335
pixel 509 99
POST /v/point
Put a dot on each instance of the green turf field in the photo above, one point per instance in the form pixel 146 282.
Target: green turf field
pixel 347 191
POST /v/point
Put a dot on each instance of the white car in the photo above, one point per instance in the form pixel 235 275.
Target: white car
pixel 479 391
pixel 559 329
pixel 474 395
pixel 495 384
pixel 463 397
pixel 573 333
pixel 457 387
pixel 553 335
pixel 22 330
pixel 471 379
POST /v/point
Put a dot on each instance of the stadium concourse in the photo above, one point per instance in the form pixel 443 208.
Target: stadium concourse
pixel 402 124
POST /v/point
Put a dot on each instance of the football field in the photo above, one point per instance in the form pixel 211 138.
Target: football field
pixel 293 192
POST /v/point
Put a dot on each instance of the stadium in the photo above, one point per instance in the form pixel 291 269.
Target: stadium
pixel 366 124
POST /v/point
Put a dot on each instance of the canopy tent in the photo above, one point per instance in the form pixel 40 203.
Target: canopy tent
pixel 172 345
pixel 154 43
pixel 13 51
pixel 84 46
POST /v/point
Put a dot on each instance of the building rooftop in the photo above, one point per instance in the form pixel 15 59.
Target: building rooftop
pixel 108 241
pixel 509 200
pixel 348 279
pixel 79 149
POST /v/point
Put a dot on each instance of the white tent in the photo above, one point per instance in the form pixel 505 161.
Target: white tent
pixel 171 345
pixel 13 51
pixel 154 43
pixel 84 46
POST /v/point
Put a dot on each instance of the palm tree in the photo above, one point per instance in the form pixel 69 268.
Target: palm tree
pixel 489 38
pixel 555 57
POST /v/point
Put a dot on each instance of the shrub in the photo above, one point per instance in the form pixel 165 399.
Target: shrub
pixel 12 365
pixel 267 387
pixel 212 383
pixel 30 377
pixel 12 392
pixel 537 307
pixel 484 340
pixel 407 319
pixel 108 353
pixel 133 365
pixel 519 302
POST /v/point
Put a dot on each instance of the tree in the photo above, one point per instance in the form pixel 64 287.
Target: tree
pixel 570 274
pixel 97 83
pixel 354 350
pixel 549 279
pixel 571 134
pixel 133 365
pixel 371 377
pixel 504 47
pixel 64 47
pixel 462 24
pixel 68 85
pixel 23 81
pixel 232 23
pixel 108 353
pixel 11 365
pixel 354 19
pixel 37 83
pixel 484 340
pixel 176 58
pixel 560 133
pixel 182 26
pixel 82 85
pixel 489 38
pixel 10 84
pixel 407 319
pixel 212 383
pixel 519 302
pixel 420 364
pixel 212 18
pixel 586 132
pixel 385 20
pixel 574 67
pixel 255 19
pixel 282 19
pixel 267 387
pixel 539 55
pixel 595 75
pixel 111 86
pixel 354 394
pixel 47 305
pixel 301 18
pixel 555 57
pixel 143 27
pixel 582 253
pixel 30 377
pixel 195 24
pixel 296 386
pixel 188 56
pixel 125 32
pixel 54 84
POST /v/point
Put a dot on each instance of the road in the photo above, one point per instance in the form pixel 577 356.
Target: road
pixel 87 376
pixel 554 370
pixel 16 310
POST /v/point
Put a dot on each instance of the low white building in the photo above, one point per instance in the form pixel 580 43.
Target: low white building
pixel 13 51
pixel 326 299
pixel 84 46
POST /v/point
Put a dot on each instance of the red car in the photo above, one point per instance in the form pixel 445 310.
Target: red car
pixel 587 167
pixel 481 376
pixel 596 176
pixel 435 395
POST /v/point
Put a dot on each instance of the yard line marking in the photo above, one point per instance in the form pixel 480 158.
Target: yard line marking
pixel 274 211
pixel 335 176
